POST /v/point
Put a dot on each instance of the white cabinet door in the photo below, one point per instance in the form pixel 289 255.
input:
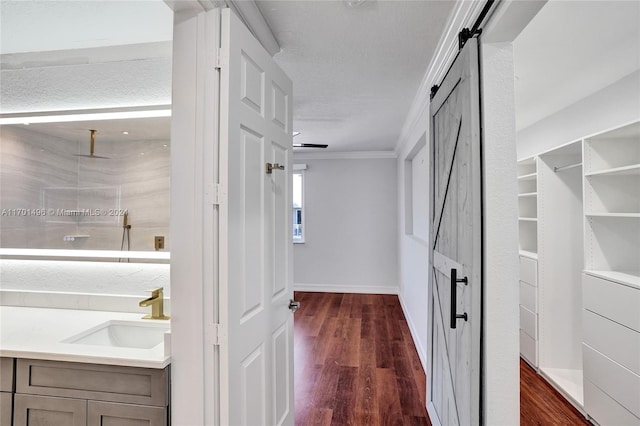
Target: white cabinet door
pixel 453 390
pixel 255 246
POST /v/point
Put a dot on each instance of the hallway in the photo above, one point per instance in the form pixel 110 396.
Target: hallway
pixel 355 364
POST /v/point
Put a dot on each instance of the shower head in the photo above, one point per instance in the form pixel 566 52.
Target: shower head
pixel 92 147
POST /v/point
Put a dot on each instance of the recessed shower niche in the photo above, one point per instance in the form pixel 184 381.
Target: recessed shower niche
pixel 90 185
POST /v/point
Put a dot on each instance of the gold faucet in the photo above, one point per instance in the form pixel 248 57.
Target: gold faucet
pixel 156 301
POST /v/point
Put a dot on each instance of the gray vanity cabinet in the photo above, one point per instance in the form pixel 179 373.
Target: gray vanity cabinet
pixel 6 390
pixel 34 410
pixel 74 394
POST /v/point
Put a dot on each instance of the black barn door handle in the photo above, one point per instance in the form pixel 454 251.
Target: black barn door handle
pixel 454 297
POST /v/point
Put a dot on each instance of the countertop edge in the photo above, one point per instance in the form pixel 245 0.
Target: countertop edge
pixel 87 359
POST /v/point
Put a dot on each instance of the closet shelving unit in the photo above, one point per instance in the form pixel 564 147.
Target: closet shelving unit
pixel 527 207
pixel 528 236
pixel 611 348
pixel 612 204
pixel 560 266
pixel 580 272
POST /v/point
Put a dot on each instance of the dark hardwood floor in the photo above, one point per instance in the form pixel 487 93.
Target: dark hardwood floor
pixel 541 404
pixel 356 364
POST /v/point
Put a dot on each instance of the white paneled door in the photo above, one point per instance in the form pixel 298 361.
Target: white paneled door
pixel 256 274
pixel 453 388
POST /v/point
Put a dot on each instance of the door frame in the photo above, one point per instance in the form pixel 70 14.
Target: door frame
pixel 500 340
pixel 194 140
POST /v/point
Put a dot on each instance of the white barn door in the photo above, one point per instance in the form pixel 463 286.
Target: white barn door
pixel 455 251
pixel 255 243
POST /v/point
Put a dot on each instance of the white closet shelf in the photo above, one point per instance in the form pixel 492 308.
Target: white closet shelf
pixel 529 254
pixel 633 169
pixel 530 176
pixel 528 194
pixel 528 219
pixel 629 278
pixel 594 214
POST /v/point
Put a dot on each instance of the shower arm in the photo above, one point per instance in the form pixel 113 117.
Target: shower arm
pixel 93 143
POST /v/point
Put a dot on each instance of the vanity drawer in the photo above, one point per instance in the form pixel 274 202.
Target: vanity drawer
pixel 529 322
pixel 604 410
pixel 528 297
pixel 529 271
pixel 112 413
pixel 613 340
pixel 35 410
pixel 93 381
pixel 615 301
pixel 6 374
pixel 616 381
pixel 528 348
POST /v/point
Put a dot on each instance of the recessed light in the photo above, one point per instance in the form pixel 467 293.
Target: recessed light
pixel 165 145
pixel 125 133
pixel 142 153
pixel 26 124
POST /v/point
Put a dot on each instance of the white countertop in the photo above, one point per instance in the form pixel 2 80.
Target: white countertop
pixel 38 333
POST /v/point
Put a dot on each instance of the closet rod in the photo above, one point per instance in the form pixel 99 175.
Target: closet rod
pixel 570 166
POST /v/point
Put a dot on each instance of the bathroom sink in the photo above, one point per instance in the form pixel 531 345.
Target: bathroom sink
pixel 125 334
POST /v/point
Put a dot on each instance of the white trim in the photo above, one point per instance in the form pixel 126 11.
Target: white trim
pixel 251 16
pixel 414 334
pixel 298 167
pixel 303 219
pixel 356 155
pixel 463 15
pixel 338 288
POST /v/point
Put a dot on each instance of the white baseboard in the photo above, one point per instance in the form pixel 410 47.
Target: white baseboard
pixel 333 288
pixel 417 342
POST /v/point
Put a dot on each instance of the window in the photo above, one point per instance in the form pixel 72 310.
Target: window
pixel 298 213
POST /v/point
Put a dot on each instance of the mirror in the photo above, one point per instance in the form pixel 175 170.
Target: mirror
pixel 57 192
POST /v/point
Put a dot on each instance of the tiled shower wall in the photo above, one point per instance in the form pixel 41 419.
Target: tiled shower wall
pixel 38 171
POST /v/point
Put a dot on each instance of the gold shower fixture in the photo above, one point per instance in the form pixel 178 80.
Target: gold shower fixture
pixel 92 147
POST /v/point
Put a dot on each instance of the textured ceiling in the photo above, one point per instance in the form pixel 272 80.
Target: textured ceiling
pixel 355 70
pixel 573 49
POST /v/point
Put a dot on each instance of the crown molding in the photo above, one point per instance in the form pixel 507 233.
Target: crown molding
pixel 463 15
pixel 355 155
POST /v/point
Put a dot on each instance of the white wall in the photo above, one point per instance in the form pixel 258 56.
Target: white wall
pixel 615 105
pixel 56 276
pixel 500 361
pixel 413 250
pixel 351 227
